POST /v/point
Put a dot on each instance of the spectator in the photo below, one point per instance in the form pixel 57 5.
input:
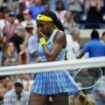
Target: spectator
pixel 23 47
pixel 36 8
pixel 5 3
pixel 94 47
pixel 103 37
pixel 75 6
pixel 94 13
pixel 1 46
pixel 10 28
pixel 47 4
pixel 1 55
pixel 6 82
pixel 69 22
pixel 13 4
pixel 28 3
pixel 27 82
pixel 20 9
pixel 32 44
pixel 16 96
pixel 4 17
pixel 82 99
pixel 104 5
pixel 2 20
pixel 28 18
pixel 25 36
pixel 60 11
pixel 10 57
pixel 1 2
pixel 3 23
pixel 53 4
pixel 18 38
pixel 2 92
pixel 73 47
pixel 23 1
pixel 98 92
pixel 103 41
pixel 22 55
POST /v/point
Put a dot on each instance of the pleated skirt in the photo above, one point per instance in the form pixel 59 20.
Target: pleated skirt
pixel 49 83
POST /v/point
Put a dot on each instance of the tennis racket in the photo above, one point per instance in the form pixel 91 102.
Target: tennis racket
pixel 88 78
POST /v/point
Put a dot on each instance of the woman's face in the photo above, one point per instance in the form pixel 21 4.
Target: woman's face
pixel 68 16
pixel 38 2
pixel 45 27
pixel 11 19
pixel 29 30
pixel 60 6
pixel 26 16
pixel 11 47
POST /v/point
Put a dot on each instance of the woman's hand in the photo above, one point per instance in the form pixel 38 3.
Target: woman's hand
pixel 40 34
pixel 38 59
pixel 9 52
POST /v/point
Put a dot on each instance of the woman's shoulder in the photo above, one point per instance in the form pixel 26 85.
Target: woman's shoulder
pixel 60 35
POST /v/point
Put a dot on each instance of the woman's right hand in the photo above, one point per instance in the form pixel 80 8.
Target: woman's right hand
pixel 38 59
pixel 40 34
pixel 9 52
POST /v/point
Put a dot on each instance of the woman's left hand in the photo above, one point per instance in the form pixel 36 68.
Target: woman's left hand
pixel 38 59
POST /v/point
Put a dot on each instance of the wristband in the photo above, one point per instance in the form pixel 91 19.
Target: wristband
pixel 43 41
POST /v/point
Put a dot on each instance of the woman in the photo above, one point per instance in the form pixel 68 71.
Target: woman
pixel 10 56
pixel 93 9
pixel 69 23
pixel 60 11
pixel 56 84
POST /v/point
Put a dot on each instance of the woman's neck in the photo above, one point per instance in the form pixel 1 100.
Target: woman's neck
pixel 48 35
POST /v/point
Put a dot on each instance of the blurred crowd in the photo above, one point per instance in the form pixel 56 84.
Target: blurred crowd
pixel 19 42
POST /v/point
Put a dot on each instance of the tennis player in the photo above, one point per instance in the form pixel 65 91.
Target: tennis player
pixel 55 84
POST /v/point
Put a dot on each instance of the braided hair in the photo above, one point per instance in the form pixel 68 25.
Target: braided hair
pixel 56 21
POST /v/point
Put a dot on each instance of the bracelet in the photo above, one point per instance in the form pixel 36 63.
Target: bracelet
pixel 43 41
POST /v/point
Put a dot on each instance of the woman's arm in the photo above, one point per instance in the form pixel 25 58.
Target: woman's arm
pixel 7 61
pixel 59 42
pixel 99 6
pixel 87 6
pixel 38 59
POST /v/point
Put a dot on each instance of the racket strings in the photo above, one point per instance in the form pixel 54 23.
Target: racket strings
pixel 88 78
